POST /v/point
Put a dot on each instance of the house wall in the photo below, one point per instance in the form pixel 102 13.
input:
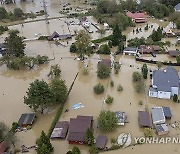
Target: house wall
pixel 159 122
pixel 174 90
pixel 163 94
pixel 130 52
pixel 153 94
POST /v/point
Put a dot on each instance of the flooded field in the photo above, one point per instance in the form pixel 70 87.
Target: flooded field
pixel 14 84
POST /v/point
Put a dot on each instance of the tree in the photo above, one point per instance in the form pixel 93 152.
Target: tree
pixel 76 150
pixel 107 120
pixel 109 100
pixel 117 36
pixel 104 49
pixel 14 44
pixel 178 59
pixel 59 90
pixel 93 150
pixel 44 145
pixel 98 89
pixel 144 71
pixel 157 35
pixel 73 48
pixel 39 95
pixel 136 76
pixel 89 138
pixel 82 43
pixel 3 13
pixel 175 97
pixel 55 71
pixel 18 13
pixel 103 72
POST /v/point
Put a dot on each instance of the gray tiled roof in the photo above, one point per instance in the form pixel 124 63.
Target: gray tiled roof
pixel 177 7
pixel 165 79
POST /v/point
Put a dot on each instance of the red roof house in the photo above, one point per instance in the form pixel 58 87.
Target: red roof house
pixel 78 128
pixel 3 147
pixel 137 17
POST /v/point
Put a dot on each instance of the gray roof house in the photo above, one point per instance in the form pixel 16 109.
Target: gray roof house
pixel 158 115
pixel 177 7
pixel 167 112
pixel 26 119
pixel 165 83
pixel 130 51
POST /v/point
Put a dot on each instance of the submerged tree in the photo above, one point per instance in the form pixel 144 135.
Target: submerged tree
pixel 144 70
pixel 75 150
pixel 89 138
pixel 39 95
pixel 55 71
pixel 117 36
pixel 14 44
pixel 82 43
pixel 103 72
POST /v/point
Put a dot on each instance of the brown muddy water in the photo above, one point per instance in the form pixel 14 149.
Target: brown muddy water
pixel 14 85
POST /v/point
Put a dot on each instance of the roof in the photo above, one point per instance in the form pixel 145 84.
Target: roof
pixel 158 115
pixel 3 147
pixel 121 117
pixel 78 128
pixel 177 7
pixel 106 62
pixel 135 15
pixel 66 36
pixel 162 128
pixel 144 119
pixel 167 112
pixel 130 49
pixel 26 119
pixel 60 130
pixel 145 50
pixel 156 48
pixel 165 79
pixel 54 35
pixel 101 141
pixel 174 53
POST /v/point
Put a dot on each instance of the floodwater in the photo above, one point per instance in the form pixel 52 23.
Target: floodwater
pixel 14 85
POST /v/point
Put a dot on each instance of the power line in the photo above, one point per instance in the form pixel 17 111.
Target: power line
pixel 45 11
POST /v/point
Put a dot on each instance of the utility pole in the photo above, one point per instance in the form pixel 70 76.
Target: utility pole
pixel 45 11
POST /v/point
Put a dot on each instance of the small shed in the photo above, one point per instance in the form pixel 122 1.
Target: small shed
pixel 106 62
pixel 162 129
pixel 174 53
pixel 158 115
pixel 144 119
pixel 101 142
pixel 26 119
pixel 60 130
pixel 121 116
pixel 167 112
pixel 3 147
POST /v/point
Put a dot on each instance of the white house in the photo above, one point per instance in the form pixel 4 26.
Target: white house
pixel 177 7
pixel 165 83
pixel 130 51
pixel 158 115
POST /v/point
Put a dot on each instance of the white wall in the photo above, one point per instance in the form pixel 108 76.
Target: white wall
pixel 152 94
pixel 174 90
pixel 163 94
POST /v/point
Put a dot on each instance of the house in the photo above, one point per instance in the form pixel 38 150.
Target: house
pixel 3 147
pixel 156 48
pixel 78 128
pixel 158 115
pixel 162 129
pixel 165 83
pixel 106 62
pixel 174 53
pixel 137 17
pixel 26 119
pixel 144 119
pixel 121 116
pixel 56 36
pixel 60 130
pixel 101 142
pixel 177 7
pixel 167 112
pixel 143 49
pixel 130 51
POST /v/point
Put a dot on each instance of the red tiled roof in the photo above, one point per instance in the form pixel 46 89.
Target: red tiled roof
pixel 3 147
pixel 136 15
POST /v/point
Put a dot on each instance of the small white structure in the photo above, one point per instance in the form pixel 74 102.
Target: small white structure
pixel 130 51
pixel 124 139
pixel 106 26
pixel 165 83
pixel 158 115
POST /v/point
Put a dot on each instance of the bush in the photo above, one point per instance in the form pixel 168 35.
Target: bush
pixel 14 126
pixel 112 83
pixel 109 100
pixel 119 88
pixel 103 72
pixel 175 98
pixel 98 89
pixel 140 87
pixel 104 49
pixel 73 48
pixel 117 67
pixel 85 71
pixel 93 150
pixel 148 132
pixel 136 76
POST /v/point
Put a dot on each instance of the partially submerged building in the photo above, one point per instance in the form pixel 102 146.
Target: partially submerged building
pixel 138 17
pixel 106 62
pixel 167 112
pixel 156 48
pixel 121 117
pixel 174 53
pixel 162 129
pixel 165 83
pixel 26 119
pixel 144 119
pixel 158 115
pixel 101 142
pixel 60 130
pixel 57 36
pixel 143 49
pixel 78 128
pixel 177 7
pixel 130 51
pixel 3 147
